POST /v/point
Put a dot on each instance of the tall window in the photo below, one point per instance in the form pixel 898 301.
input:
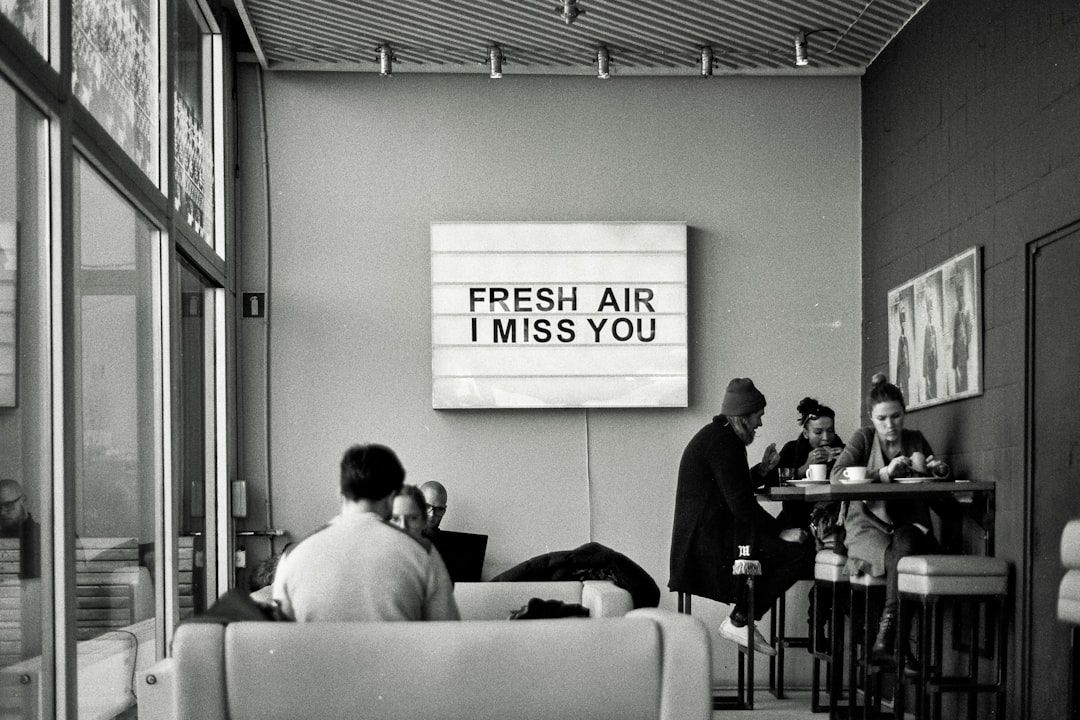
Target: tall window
pixel 193 142
pixel 30 17
pixel 117 401
pixel 25 418
pixel 114 53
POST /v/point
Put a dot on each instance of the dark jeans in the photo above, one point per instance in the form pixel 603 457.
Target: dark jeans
pixel 906 540
pixel 782 564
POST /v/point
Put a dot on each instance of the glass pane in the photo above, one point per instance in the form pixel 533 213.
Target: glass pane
pixel 194 181
pixel 25 445
pixel 195 402
pixel 115 72
pixel 29 16
pixel 115 399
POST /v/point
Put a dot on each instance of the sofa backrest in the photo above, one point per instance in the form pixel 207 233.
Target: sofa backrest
pixel 641 667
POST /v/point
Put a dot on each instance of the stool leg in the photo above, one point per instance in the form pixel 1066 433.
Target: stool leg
pixel 938 640
pixel 836 657
pixel 781 635
pixel 853 658
pixel 973 660
pixel 900 687
pixel 750 624
pixel 815 664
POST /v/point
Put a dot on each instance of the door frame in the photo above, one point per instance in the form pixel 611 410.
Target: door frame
pixel 1025 579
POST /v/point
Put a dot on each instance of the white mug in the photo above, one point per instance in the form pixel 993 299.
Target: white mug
pixel 816 472
pixel 855 474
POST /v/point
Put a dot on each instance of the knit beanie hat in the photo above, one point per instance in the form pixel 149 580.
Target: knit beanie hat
pixel 742 398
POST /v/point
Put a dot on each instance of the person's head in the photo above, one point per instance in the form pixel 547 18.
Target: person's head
pixel 818 422
pixel 12 505
pixel 885 405
pixel 435 497
pixel 409 511
pixel 263 574
pixel 371 473
pixel 743 405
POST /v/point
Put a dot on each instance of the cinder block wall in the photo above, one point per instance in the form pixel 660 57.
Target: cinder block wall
pixel 971 136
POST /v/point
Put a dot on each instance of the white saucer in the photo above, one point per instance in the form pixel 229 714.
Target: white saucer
pixel 913 480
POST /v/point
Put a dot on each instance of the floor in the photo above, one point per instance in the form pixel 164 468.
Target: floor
pixel 796 704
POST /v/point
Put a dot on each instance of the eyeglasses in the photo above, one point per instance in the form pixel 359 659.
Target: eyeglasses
pixel 436 509
pixel 11 504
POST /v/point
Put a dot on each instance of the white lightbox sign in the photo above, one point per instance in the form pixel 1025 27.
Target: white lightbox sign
pixel 576 314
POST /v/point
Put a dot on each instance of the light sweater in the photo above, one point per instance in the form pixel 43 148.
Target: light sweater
pixel 360 568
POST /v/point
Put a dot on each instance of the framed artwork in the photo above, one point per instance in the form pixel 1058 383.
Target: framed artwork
pixel 9 347
pixel 935 333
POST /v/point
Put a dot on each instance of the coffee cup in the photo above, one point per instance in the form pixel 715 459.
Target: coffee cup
pixel 855 474
pixel 918 462
pixel 816 472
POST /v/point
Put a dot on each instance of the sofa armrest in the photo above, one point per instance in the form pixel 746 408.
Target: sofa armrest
pixel 156 690
pixel 605 599
pixel 686 677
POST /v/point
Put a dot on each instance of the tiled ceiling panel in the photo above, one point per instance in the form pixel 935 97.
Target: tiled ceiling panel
pixel 642 37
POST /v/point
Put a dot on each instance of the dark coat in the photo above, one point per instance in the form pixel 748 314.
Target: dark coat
pixel 716 511
pixel 591 561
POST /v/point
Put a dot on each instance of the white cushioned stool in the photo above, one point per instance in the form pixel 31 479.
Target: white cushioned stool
pixel 969 582
pixel 1068 608
pixel 830 570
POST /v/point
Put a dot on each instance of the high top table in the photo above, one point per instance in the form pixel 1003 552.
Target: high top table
pixel 980 493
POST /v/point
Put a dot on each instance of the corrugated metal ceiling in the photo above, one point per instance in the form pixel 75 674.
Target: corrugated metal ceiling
pixel 643 37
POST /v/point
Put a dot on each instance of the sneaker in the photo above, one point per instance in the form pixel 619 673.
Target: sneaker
pixel 739 635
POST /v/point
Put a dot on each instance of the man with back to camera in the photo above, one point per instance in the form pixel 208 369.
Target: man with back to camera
pixel 359 567
pixel 16 522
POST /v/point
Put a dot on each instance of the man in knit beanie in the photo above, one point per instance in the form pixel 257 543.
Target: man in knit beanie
pixel 720 532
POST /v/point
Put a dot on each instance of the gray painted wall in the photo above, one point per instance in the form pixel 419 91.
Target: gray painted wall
pixel 764 171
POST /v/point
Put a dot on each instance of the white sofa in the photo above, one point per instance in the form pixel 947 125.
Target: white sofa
pixel 496 600
pixel 648 665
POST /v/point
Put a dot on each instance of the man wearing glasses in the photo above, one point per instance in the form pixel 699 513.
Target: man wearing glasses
pixel 462 552
pixel 435 497
pixel 17 523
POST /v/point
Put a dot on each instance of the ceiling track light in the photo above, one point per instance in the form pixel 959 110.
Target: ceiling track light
pixel 495 61
pixel 706 61
pixel 801 57
pixel 603 63
pixel 386 60
pixel 570 11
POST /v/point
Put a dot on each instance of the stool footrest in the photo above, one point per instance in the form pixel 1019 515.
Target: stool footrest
pixel 959 685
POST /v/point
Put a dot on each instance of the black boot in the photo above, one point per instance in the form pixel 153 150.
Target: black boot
pixel 884 645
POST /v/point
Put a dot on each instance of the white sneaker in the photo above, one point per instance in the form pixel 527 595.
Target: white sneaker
pixel 740 634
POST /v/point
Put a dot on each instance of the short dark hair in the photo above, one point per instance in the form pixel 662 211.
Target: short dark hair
pixel 370 472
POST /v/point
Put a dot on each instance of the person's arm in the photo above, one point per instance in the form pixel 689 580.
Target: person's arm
pixel 855 454
pixel 280 592
pixel 439 603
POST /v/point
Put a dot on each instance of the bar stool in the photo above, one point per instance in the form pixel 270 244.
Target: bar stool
pixel 1068 608
pixel 781 641
pixel 969 582
pixel 744 693
pixel 860 671
pixel 829 571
